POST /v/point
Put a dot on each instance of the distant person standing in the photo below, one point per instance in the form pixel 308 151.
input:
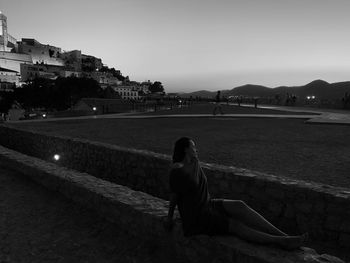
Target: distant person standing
pixel 217 103
pixel 346 100
pixel 255 102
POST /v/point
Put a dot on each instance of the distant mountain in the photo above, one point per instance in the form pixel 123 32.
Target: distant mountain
pixel 319 88
pixel 250 90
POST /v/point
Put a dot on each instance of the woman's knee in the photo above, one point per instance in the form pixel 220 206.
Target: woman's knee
pixel 242 204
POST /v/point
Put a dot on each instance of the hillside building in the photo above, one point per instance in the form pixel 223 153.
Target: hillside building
pixel 128 92
pixel 7 87
pixel 32 71
pixel 9 76
pixel 72 60
pixel 90 63
pixel 27 59
pixel 105 79
pixel 42 54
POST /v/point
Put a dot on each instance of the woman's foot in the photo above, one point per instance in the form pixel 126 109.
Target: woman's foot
pixel 294 242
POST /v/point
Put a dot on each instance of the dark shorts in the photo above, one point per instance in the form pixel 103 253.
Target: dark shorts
pixel 215 220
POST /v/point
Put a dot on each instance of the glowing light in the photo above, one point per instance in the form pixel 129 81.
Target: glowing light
pixel 56 157
pixel 44 115
pixel 94 108
pixel 313 97
pixel 308 97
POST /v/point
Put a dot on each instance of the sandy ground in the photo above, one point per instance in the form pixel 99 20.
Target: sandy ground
pixel 37 225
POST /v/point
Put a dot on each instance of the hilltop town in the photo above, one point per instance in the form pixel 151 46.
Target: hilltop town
pixel 27 59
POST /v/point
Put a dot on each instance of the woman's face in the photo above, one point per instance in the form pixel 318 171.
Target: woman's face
pixel 191 151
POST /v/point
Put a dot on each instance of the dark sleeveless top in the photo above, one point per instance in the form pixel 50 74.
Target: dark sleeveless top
pixel 193 197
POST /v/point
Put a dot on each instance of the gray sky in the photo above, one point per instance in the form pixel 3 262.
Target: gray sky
pixel 197 44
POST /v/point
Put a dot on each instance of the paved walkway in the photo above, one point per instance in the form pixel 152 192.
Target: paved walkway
pixel 324 116
pixel 38 225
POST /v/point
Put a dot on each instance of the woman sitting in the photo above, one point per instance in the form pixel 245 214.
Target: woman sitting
pixel 201 214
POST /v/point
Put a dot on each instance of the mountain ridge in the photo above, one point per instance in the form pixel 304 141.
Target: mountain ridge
pixel 319 88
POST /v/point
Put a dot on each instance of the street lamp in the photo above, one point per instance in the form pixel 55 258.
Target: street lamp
pixel 56 157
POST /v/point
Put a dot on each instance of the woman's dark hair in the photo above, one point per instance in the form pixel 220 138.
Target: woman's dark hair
pixel 179 149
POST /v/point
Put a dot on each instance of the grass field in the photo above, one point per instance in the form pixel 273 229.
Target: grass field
pixel 283 147
pixel 227 109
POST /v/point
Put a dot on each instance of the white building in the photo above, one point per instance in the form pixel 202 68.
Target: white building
pixel 127 92
pixel 13 61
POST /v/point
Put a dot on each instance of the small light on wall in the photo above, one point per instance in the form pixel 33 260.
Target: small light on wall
pixel 56 157
pixel 44 115
pixel 94 108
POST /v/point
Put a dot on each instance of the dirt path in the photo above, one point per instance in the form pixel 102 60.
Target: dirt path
pixel 37 225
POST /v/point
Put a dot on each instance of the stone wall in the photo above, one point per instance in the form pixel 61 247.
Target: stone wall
pixel 142 215
pixel 294 206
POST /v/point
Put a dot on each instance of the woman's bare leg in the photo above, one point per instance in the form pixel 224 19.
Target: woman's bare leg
pixel 249 234
pixel 240 210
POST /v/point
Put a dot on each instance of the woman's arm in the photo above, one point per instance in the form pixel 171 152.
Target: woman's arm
pixel 172 205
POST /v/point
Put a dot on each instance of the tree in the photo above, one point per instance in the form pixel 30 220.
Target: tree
pixel 70 90
pixel 6 100
pixel 113 71
pixel 59 94
pixel 35 94
pixel 156 87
